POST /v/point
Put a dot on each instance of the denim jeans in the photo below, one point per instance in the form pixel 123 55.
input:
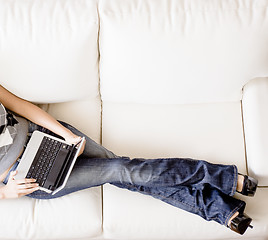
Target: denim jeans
pixel 196 186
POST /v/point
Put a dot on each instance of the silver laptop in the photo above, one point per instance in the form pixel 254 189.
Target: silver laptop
pixel 49 160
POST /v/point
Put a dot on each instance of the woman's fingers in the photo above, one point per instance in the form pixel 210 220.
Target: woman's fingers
pixel 25 180
pixel 27 191
pixel 27 186
pixel 20 181
pixel 82 148
pixel 73 139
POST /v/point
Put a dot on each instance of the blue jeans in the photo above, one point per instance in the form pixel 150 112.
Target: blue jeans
pixel 196 186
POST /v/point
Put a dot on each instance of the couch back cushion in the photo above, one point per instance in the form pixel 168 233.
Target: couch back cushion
pixel 186 51
pixel 49 49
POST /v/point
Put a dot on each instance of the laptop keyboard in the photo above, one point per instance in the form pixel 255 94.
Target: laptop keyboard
pixel 44 160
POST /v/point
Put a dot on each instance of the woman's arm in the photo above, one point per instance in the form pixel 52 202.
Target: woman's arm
pixel 33 113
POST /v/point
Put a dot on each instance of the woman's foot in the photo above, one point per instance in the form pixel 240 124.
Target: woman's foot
pixel 246 185
pixel 239 223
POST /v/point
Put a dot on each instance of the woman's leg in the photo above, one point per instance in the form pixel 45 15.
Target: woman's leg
pixel 209 203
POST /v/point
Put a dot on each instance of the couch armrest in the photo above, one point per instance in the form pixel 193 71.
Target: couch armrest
pixel 255 115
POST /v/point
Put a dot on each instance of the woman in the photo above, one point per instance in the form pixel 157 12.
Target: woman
pixel 193 185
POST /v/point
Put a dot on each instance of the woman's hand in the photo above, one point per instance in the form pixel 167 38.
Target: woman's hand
pixel 18 188
pixel 74 139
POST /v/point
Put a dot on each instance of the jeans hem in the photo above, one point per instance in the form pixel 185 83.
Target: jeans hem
pixel 240 208
pixel 235 181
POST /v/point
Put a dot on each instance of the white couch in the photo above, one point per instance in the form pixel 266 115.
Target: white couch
pixel 145 78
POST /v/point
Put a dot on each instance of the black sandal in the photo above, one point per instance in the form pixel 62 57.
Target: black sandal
pixel 249 186
pixel 240 223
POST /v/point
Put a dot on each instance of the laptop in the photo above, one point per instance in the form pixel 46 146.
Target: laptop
pixel 49 160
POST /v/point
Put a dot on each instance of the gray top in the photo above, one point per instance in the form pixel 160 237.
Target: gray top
pixel 13 135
